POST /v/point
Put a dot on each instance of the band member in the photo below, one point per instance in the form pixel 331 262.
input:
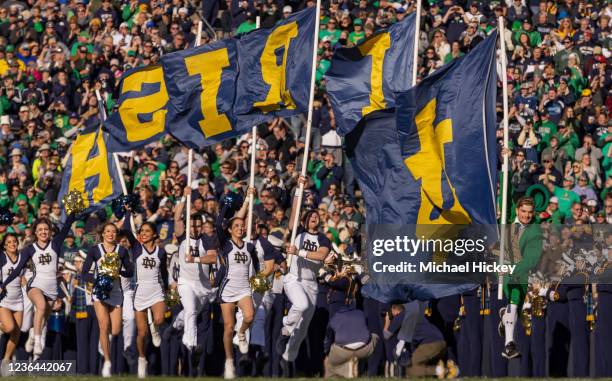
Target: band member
pixel 151 274
pixel 525 251
pixel 11 303
pixel 108 312
pixel 45 254
pixel 309 250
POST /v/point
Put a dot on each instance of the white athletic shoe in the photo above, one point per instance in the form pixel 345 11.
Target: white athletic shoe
pixel 106 369
pixel 229 373
pixel 155 338
pixel 142 367
pixel 29 345
pixel 39 346
pixel 4 368
pixel 243 344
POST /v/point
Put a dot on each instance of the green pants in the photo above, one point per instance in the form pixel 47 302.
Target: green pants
pixel 515 292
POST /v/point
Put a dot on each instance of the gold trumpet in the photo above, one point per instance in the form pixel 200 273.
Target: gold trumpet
pixel 538 304
pixel 526 320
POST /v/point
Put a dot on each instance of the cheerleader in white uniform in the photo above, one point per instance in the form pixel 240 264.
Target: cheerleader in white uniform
pixel 11 304
pixel 151 274
pixel 269 256
pixel 310 249
pixel 238 260
pixel 108 312
pixel 45 255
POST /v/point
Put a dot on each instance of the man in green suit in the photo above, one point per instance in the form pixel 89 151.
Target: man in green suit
pixel 524 251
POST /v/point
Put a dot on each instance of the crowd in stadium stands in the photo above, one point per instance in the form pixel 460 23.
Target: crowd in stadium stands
pixel 54 54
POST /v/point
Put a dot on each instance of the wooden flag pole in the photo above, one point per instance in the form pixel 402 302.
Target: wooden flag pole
pixel 300 189
pixel 252 176
pixel 504 206
pixel 190 162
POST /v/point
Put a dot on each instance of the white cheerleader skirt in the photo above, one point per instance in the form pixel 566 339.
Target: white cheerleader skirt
pixel 229 293
pixel 13 300
pixel 47 286
pixel 146 295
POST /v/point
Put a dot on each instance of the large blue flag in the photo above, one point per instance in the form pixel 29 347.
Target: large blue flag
pixel 365 78
pixel 91 170
pixel 209 93
pixel 275 69
pixel 446 128
pixel 202 83
pixel 431 162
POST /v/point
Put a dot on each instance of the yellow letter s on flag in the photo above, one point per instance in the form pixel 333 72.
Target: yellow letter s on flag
pixel 131 108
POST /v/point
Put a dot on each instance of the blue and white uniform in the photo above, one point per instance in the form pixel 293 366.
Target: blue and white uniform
pixel 45 262
pixel 151 272
pixel 13 299
pixel 302 288
pixel 95 256
pixel 241 264
pixel 261 302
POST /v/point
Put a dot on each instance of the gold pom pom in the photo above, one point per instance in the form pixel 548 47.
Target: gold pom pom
pixel 74 203
pixel 172 297
pixel 259 283
pixel 110 265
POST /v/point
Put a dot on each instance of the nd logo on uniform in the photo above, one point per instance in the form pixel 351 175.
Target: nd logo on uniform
pixel 428 166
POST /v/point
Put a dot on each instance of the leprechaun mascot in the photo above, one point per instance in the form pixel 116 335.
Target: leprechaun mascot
pixel 524 251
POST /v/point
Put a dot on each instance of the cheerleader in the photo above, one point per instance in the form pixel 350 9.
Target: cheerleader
pixel 237 261
pixel 269 256
pixel 310 249
pixel 109 311
pixel 151 273
pixel 11 304
pixel 45 255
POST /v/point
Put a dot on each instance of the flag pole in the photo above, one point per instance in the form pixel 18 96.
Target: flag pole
pixel 190 162
pixel 300 189
pixel 415 56
pixel 504 206
pixel 102 112
pixel 253 158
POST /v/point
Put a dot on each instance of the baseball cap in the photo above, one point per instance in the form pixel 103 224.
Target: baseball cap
pixel 569 178
pixel 554 200
pixel 23 109
pixel 287 9
pixel 80 225
pixel 5 119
